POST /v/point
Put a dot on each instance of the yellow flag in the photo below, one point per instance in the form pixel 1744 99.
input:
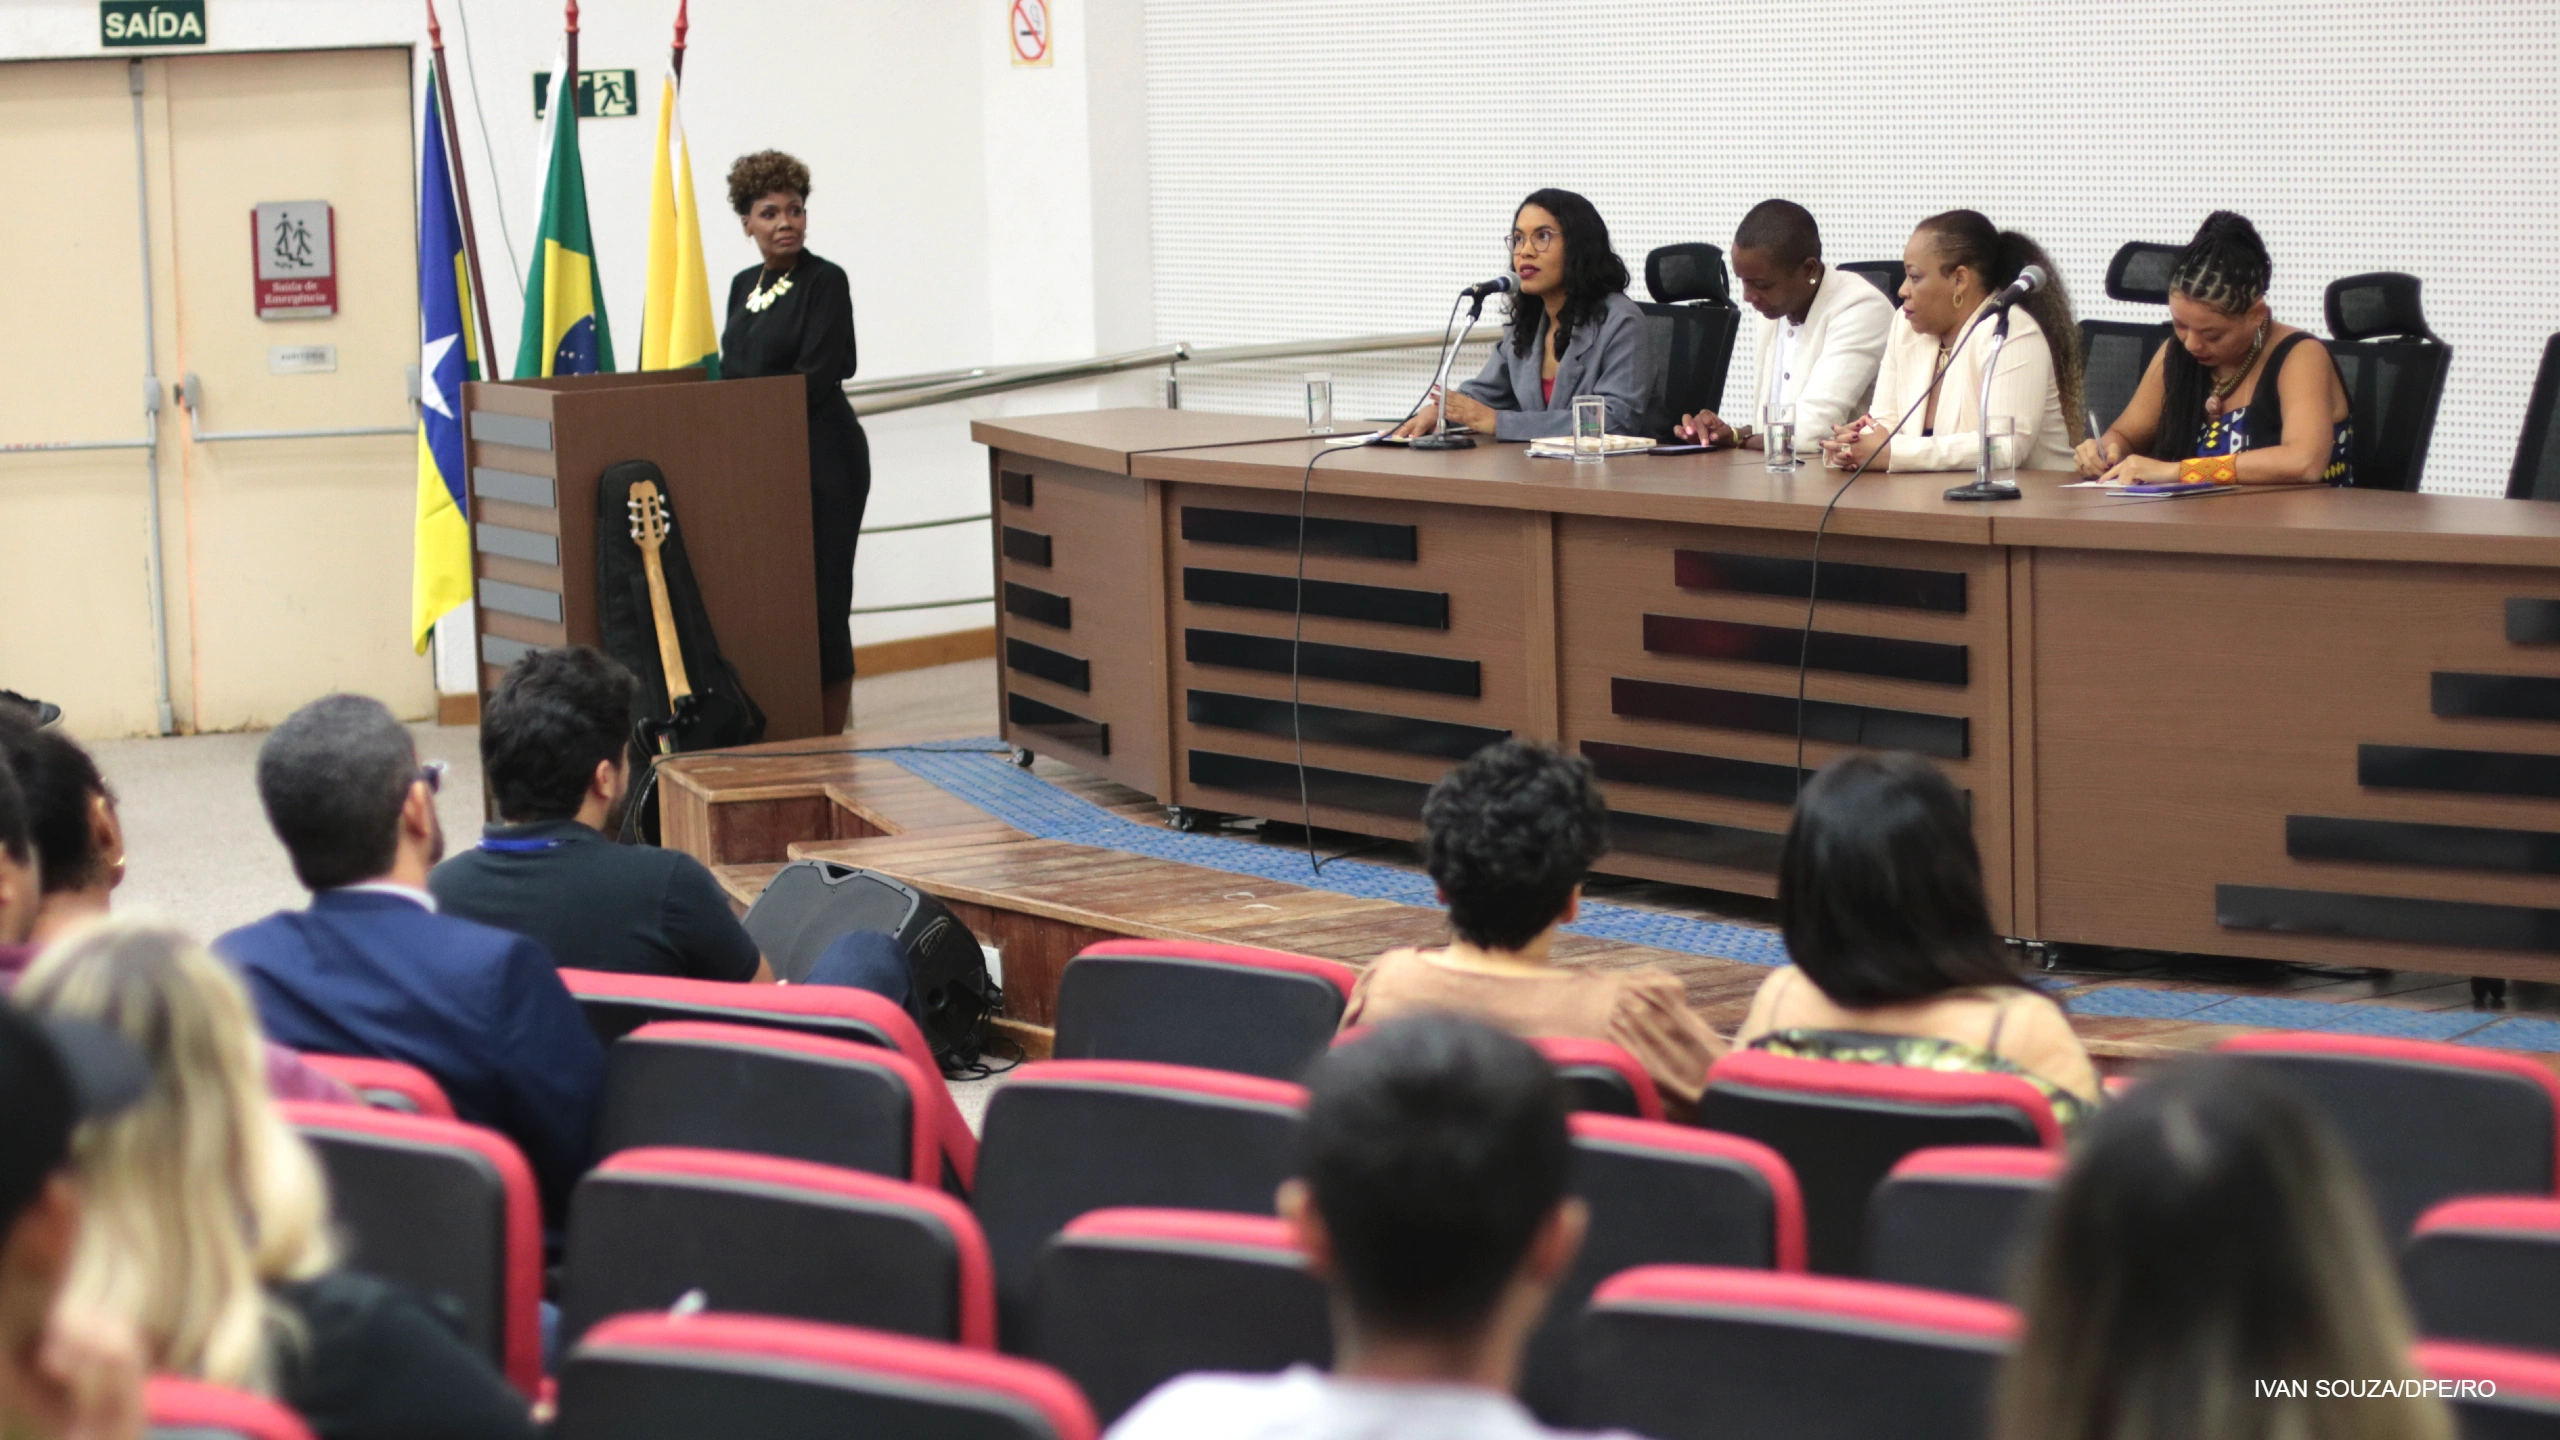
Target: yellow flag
pixel 675 319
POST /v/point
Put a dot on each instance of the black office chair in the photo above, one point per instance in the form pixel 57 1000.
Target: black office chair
pixel 2394 368
pixel 2536 475
pixel 2115 353
pixel 1690 325
pixel 1885 275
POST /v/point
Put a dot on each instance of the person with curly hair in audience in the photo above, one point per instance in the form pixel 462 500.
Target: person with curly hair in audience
pixel 1509 837
pixel 2210 1236
pixel 207 1221
pixel 1896 963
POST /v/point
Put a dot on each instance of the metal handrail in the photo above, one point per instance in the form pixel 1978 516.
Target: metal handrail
pixel 925 524
pixel 1022 377
pixel 912 392
pixel 30 447
pixel 190 396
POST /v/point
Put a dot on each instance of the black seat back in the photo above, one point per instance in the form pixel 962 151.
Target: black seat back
pixel 2536 474
pixel 1690 327
pixel 2113 356
pixel 1220 1009
pixel 1956 1219
pixel 2394 368
pixel 1070 1136
pixel 2486 1269
pixel 1128 1299
pixel 1885 275
pixel 768 1092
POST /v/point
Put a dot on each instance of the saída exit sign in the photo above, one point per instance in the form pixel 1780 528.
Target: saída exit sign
pixel 123 24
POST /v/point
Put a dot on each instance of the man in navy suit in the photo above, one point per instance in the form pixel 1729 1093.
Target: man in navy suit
pixel 371 969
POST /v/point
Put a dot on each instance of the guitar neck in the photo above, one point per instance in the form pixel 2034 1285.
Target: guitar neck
pixel 670 654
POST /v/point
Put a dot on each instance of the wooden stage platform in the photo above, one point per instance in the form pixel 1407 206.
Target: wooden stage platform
pixel 746 812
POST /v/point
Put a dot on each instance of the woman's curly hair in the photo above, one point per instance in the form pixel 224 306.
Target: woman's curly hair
pixel 758 175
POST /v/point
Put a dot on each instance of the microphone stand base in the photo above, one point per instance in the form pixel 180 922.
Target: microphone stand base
pixel 1978 490
pixel 1442 440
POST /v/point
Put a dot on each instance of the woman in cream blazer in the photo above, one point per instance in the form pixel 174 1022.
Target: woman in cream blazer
pixel 1952 266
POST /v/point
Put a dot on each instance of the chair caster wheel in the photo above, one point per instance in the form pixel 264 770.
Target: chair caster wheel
pixel 2488 990
pixel 1023 757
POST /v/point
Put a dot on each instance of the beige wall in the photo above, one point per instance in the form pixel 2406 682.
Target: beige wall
pixel 287 560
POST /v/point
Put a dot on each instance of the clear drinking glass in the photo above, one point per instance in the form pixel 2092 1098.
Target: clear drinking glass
pixel 1778 437
pixel 1319 403
pixel 2008 446
pixel 1590 428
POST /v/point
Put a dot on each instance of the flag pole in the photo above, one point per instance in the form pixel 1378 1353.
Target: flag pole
pixel 681 25
pixel 462 199
pixel 571 99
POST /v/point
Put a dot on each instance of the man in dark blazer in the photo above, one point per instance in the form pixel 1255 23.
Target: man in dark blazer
pixel 371 969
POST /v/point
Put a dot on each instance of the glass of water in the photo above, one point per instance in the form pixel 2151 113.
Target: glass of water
pixel 1778 437
pixel 1319 404
pixel 2008 446
pixel 1590 427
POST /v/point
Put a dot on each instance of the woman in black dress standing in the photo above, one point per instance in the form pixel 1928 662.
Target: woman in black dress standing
pixel 794 314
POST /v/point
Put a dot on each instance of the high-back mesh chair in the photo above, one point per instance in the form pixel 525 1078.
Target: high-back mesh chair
pixel 2509 1394
pixel 1065 1137
pixel 617 1004
pixel 2425 1122
pixel 2487 1269
pixel 766 1236
pixel 1954 1218
pixel 768 1092
pixel 1690 325
pixel 1193 1002
pixel 656 1377
pixel 1127 1299
pixel 1698 1352
pixel 175 1409
pixel 2394 367
pixel 1885 275
pixel 1660 1195
pixel 1843 1126
pixel 2536 475
pixel 2115 353
pixel 445 1209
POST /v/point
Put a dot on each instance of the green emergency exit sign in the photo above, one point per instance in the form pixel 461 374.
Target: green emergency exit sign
pixel 123 24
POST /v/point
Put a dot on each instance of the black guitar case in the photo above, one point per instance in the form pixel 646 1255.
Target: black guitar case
pixel 719 713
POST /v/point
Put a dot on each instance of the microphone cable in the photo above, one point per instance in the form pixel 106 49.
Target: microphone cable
pixel 1813 570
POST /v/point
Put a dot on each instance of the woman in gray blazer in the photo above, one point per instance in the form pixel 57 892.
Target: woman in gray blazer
pixel 1573 331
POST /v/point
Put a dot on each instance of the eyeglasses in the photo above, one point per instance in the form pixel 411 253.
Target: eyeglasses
pixel 433 774
pixel 1536 242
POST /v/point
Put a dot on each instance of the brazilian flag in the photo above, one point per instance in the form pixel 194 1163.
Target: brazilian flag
pixel 564 326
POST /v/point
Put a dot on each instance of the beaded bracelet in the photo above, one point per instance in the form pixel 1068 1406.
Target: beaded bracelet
pixel 2211 469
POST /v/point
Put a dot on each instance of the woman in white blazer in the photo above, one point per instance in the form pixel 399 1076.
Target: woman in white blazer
pixel 1573 331
pixel 1951 268
pixel 1822 332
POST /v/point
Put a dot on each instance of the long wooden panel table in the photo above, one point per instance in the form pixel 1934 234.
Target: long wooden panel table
pixel 2304 725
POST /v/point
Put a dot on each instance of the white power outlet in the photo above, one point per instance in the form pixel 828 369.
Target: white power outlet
pixel 995 962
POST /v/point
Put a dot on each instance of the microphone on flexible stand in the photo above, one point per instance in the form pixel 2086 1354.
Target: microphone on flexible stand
pixel 1440 438
pixel 2029 281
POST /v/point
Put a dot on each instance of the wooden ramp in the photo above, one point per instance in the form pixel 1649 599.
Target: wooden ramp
pixel 746 812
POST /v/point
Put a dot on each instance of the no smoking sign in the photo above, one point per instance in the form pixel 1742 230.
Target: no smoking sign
pixel 1028 27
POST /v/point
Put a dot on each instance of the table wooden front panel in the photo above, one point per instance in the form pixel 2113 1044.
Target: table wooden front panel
pixel 1695 737
pixel 1079 655
pixel 1410 664
pixel 2197 717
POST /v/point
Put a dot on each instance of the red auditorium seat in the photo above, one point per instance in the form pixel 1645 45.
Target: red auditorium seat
pixel 176 1409
pixel 1843 1126
pixel 1601 1078
pixel 2525 1404
pixel 652 1377
pixel 386 1084
pixel 2425 1122
pixel 1688 1352
pixel 1953 1218
pixel 448 1210
pixel 2487 1269
pixel 1193 1002
pixel 1127 1299
pixel 769 1092
pixel 1068 1136
pixel 768 1236
pixel 617 1004
pixel 1660 1195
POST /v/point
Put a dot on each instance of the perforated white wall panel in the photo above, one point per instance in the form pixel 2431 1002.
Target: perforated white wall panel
pixel 1340 167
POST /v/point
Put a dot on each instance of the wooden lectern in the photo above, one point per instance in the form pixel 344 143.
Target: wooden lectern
pixel 736 457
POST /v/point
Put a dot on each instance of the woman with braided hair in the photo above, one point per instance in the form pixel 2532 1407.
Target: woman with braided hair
pixel 2239 399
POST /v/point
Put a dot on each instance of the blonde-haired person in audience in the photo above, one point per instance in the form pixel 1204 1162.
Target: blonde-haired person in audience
pixel 1880 896
pixel 207 1220
pixel 1509 836
pixel 2210 1237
